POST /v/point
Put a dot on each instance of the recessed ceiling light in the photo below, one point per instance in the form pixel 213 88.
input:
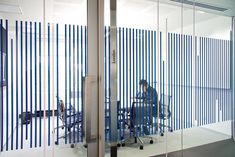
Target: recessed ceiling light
pixel 200 12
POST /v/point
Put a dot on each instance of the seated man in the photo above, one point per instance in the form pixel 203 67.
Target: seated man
pixel 147 96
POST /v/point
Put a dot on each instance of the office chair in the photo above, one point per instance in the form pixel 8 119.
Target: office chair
pixel 165 113
pixel 70 119
pixel 120 120
pixel 139 121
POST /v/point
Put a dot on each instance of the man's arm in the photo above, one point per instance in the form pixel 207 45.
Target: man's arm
pixel 140 95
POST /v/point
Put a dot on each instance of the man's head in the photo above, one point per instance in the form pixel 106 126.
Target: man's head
pixel 143 83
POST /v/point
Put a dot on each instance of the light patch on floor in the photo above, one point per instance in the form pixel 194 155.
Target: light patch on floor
pixel 168 143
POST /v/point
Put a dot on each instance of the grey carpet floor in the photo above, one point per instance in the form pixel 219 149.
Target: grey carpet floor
pixel 224 148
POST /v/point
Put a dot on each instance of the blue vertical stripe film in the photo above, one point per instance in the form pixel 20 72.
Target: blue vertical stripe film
pixel 12 98
pixel 26 77
pixel 65 80
pixel 49 89
pixel 40 88
pixel 78 77
pixel 17 104
pixel 7 87
pixel 31 88
pixel 199 78
pixel 57 82
pixel 35 83
pixel 82 51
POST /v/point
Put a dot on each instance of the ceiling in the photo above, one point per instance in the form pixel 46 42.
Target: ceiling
pixel 142 11
pixel 227 4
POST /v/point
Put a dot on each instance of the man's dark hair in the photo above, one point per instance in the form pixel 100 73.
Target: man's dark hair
pixel 143 82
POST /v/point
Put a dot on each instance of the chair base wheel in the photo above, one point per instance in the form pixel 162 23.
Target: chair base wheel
pixel 123 144
pixel 171 130
pixel 118 145
pixel 141 147
pixel 151 141
pixel 56 143
pixel 72 145
pixel 162 134
pixel 85 145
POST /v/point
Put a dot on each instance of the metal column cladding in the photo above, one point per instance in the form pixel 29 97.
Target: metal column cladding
pixel 93 65
pixel 113 72
pixel 232 77
pixel 1 79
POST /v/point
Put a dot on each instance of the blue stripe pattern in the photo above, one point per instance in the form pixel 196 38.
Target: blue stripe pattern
pixel 204 79
pixel 212 80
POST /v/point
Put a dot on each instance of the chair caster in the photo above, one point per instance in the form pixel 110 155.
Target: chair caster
pixel 123 145
pixel 171 130
pixel 141 147
pixel 56 143
pixel 85 145
pixel 151 141
pixel 162 134
pixel 72 145
pixel 62 128
pixel 118 145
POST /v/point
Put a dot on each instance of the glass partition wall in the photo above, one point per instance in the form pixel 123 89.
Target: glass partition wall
pixel 174 77
pixel 66 45
pixel 211 90
pixel 21 43
pixel 44 51
pixel 193 75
